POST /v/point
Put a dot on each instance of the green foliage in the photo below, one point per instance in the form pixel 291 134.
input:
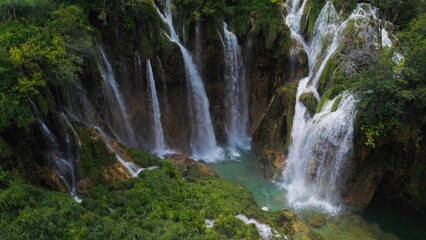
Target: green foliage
pixel 392 93
pixel 155 205
pixel 197 10
pixel 94 156
pixel 265 16
pixel 42 45
pixel 143 158
pixel 385 96
pixel 13 113
pixel 400 12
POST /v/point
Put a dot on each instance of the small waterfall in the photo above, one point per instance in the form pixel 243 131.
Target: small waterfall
pixel 203 140
pixel 386 41
pixel 131 168
pixel 236 89
pixel 321 144
pixel 119 121
pixel 84 113
pixel 64 165
pixel 159 147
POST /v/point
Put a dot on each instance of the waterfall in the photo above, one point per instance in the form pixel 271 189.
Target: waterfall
pixel 236 92
pixel 318 157
pixel 119 122
pixel 203 140
pixel 386 41
pixel 84 113
pixel 159 146
pixel 64 164
pixel 130 167
pixel 320 145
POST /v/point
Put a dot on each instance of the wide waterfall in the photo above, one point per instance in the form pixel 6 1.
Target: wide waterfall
pixel 159 145
pixel 203 139
pixel 118 118
pixel 63 164
pixel 236 92
pixel 322 144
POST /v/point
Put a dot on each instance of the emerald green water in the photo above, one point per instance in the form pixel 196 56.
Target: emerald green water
pixel 379 221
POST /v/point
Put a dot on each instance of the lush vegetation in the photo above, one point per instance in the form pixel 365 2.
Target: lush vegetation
pixel 400 12
pixel 42 45
pixel 392 92
pixel 156 205
pixel 265 17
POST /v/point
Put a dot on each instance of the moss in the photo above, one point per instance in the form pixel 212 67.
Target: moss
pixel 94 155
pixel 274 130
pixel 327 78
pixel 288 94
pixel 326 97
pixel 336 103
pixel 143 158
pixel 308 99
pixel 311 12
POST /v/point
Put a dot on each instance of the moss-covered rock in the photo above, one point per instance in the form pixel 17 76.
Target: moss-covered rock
pixel 97 163
pixel 336 103
pixel 272 137
pixel 190 168
pixel 308 99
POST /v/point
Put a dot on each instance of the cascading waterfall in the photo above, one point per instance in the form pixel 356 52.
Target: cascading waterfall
pixel 203 140
pixel 64 166
pixel 119 121
pixel 159 146
pixel 322 144
pixel 321 150
pixel 236 98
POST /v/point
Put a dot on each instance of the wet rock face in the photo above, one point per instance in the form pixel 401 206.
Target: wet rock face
pixel 271 138
pixel 267 74
pixel 390 172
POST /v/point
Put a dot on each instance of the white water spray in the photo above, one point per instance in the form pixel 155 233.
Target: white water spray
pixel 236 102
